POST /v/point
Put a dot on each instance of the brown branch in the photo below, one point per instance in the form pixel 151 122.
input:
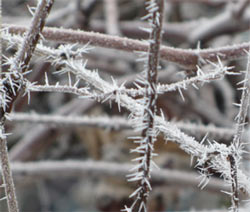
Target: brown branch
pixel 182 57
pixel 9 186
pixel 33 34
pixel 234 183
pixel 148 136
pixel 132 29
pixel 19 65
pixel 24 54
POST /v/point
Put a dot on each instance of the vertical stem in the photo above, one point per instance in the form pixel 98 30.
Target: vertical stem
pixel 151 97
pixel 234 183
pixel 11 85
pixel 32 36
pixel 7 175
pixel 237 146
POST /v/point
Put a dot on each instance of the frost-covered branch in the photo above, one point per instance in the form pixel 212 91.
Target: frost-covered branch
pixel 58 89
pixel 143 170
pixel 237 144
pixel 243 108
pixel 8 183
pixel 214 154
pixel 10 85
pixel 116 122
pixel 185 58
pixel 217 74
pixel 217 133
pixel 188 144
pixel 56 56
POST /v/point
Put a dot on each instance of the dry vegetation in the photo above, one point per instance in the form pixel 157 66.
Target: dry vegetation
pixel 88 85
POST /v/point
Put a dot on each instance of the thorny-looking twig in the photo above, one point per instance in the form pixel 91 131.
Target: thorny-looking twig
pixel 50 54
pixel 237 144
pixel 146 144
pixel 113 123
pixel 10 87
pixel 188 144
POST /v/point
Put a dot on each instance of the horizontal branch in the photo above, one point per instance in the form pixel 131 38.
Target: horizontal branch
pixel 115 123
pixel 54 56
pixel 69 168
pixel 182 57
pixel 58 89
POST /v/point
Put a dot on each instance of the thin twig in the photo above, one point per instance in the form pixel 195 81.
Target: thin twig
pixel 148 137
pixel 8 183
pixel 114 123
pixel 237 144
pixel 234 183
pixel 19 65
pixel 11 85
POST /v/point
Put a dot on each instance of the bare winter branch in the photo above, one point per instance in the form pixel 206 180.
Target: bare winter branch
pixel 10 86
pixel 185 58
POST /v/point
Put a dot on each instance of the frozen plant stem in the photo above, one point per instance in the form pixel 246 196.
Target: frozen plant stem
pixel 10 86
pixel 184 57
pixel 155 9
pixel 234 184
pixel 237 146
pixel 12 82
pixel 7 175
